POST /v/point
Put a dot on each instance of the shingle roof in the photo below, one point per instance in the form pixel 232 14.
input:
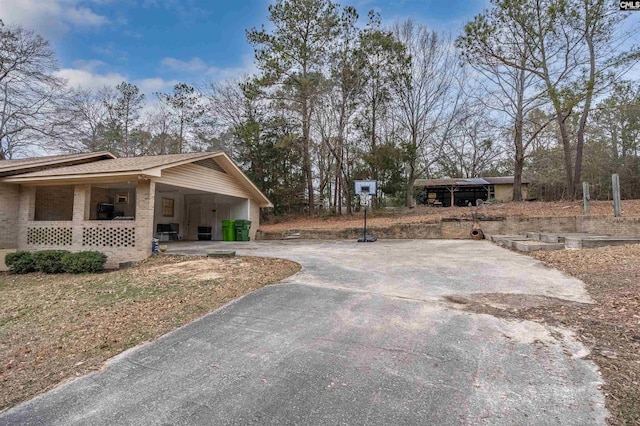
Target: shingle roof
pixel 26 165
pixel 120 165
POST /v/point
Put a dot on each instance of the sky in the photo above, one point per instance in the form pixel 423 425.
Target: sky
pixel 155 44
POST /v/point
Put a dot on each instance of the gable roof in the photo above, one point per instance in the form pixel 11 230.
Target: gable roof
pixel 113 168
pixel 28 165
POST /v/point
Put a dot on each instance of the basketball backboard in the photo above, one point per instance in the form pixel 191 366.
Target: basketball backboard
pixel 366 186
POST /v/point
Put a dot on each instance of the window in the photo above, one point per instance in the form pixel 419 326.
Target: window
pixel 122 198
pixel 167 207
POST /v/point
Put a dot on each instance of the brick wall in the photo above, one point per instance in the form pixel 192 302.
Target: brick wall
pixel 461 228
pixel 609 225
pixel 54 202
pixel 9 204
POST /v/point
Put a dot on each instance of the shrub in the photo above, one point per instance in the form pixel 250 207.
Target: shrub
pixel 83 262
pixel 49 261
pixel 20 262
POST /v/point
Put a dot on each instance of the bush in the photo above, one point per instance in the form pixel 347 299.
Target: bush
pixel 49 261
pixel 20 262
pixel 83 262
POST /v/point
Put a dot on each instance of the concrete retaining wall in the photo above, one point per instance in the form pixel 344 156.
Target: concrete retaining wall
pixel 461 228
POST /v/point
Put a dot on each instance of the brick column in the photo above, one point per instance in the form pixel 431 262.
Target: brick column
pixel 145 200
pixel 81 209
pixel 26 213
pixel 9 208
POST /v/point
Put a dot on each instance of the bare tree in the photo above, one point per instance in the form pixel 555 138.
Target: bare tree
pixel 187 109
pixel 428 97
pixel 506 86
pixel 85 123
pixel 569 49
pixel 123 107
pixel 29 91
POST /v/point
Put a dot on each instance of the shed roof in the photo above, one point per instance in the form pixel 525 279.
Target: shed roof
pixel 433 183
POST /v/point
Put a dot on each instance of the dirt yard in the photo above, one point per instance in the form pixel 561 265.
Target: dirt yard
pixel 56 327
pixel 423 214
pixel 610 327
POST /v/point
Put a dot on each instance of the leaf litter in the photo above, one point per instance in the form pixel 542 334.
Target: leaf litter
pixel 56 327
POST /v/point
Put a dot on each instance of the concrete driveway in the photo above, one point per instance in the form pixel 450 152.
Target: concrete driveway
pixel 363 335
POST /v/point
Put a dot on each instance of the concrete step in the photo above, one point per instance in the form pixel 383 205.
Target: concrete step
pixel 593 241
pixel 532 245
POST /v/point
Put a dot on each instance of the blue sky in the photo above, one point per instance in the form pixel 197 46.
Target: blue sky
pixel 157 43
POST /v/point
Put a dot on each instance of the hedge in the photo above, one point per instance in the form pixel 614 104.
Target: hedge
pixel 20 262
pixel 83 262
pixel 55 262
pixel 49 261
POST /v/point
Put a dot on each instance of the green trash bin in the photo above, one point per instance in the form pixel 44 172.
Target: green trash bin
pixel 242 229
pixel 228 230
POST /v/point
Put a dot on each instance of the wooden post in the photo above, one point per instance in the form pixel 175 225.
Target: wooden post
pixel 586 198
pixel 615 180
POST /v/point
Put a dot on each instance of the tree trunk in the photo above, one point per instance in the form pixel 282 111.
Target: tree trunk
pixel 517 137
pixel 411 200
pixel 566 146
pixel 585 111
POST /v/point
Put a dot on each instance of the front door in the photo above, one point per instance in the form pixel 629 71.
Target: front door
pixel 194 215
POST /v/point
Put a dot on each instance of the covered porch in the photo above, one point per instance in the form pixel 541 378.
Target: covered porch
pixel 192 215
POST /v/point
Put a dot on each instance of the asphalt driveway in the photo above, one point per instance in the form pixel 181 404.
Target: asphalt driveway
pixel 362 335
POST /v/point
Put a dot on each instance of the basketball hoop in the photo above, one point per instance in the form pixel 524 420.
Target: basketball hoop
pixel 363 188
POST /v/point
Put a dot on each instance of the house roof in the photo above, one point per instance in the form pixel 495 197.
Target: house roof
pixel 504 180
pixel 432 183
pixel 27 165
pixel 120 165
pixel 113 168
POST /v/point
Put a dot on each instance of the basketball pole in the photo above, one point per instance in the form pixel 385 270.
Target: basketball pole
pixel 364 232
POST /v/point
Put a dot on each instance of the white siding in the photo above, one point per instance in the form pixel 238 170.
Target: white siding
pixel 202 178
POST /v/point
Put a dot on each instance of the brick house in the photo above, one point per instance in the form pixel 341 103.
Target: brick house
pixel 95 201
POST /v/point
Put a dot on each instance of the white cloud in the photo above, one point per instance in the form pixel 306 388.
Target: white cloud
pixel 90 65
pixel 194 65
pixel 87 75
pixel 197 69
pixel 84 17
pixel 149 86
pixel 87 78
pixel 51 18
